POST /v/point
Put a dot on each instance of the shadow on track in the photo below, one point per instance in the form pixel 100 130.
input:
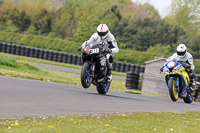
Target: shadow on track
pixel 115 96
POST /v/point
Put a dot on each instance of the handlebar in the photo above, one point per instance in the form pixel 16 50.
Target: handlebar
pixel 79 49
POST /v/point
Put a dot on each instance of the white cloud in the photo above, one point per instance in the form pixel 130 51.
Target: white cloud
pixel 163 6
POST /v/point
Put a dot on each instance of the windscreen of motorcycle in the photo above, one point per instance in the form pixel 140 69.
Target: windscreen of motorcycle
pixel 86 47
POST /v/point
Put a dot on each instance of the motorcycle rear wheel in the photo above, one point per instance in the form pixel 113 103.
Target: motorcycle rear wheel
pixel 173 91
pixel 85 81
pixel 188 99
pixel 102 88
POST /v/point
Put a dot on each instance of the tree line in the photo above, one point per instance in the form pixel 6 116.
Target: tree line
pixel 136 27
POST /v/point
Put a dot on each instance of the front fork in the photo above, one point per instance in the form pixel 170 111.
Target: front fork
pixel 167 78
pixel 93 69
pixel 175 78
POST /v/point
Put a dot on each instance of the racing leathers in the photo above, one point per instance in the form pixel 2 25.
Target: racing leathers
pixel 109 45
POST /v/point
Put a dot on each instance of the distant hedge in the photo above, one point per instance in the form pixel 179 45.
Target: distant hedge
pixel 197 65
pixel 137 57
pixel 57 44
pixel 43 42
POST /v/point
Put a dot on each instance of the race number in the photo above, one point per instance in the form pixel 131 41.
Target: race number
pixel 94 51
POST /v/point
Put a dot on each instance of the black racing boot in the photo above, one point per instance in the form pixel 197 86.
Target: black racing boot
pixel 109 75
pixel 193 82
pixel 192 85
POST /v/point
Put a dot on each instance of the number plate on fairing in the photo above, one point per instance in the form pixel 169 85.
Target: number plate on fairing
pixel 94 51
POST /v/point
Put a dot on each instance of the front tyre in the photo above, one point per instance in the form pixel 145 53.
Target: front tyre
pixel 86 80
pixel 102 88
pixel 173 90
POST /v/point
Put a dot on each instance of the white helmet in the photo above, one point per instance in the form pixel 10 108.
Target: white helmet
pixel 102 31
pixel 181 50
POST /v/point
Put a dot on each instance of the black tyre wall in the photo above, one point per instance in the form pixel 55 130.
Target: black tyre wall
pixel 61 57
pixel 132 80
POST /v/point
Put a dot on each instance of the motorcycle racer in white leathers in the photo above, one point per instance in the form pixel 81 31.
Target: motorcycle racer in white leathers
pixel 105 38
pixel 182 56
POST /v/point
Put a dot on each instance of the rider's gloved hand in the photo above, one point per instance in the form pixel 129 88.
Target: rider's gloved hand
pixel 187 66
pixel 79 49
pixel 161 69
pixel 107 50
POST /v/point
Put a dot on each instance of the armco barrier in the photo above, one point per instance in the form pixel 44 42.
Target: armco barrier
pixel 62 57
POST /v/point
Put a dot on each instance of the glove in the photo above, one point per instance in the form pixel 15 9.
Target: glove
pixel 79 49
pixel 187 66
pixel 161 69
pixel 107 50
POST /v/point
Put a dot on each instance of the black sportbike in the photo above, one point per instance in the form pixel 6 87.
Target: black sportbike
pixel 94 69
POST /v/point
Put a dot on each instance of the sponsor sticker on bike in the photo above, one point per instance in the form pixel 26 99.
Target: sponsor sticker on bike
pixel 171 64
pixel 94 51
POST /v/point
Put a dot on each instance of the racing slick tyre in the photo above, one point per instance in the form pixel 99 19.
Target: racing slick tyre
pixel 86 81
pixel 188 98
pixel 173 90
pixel 102 88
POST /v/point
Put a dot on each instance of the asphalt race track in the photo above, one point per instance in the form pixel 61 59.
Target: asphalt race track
pixel 66 69
pixel 31 98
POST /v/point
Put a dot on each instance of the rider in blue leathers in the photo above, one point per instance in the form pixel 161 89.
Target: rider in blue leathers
pixel 182 56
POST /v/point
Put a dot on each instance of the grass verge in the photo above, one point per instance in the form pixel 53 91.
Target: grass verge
pixel 145 122
pixel 22 69
pixel 16 57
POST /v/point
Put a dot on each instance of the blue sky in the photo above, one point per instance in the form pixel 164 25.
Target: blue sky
pixel 163 6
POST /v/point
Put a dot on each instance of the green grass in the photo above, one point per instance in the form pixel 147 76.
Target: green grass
pixel 144 122
pixel 16 57
pixel 111 123
pixel 22 69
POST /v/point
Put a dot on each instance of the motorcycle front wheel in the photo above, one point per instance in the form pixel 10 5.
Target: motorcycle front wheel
pixel 102 88
pixel 173 90
pixel 86 80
